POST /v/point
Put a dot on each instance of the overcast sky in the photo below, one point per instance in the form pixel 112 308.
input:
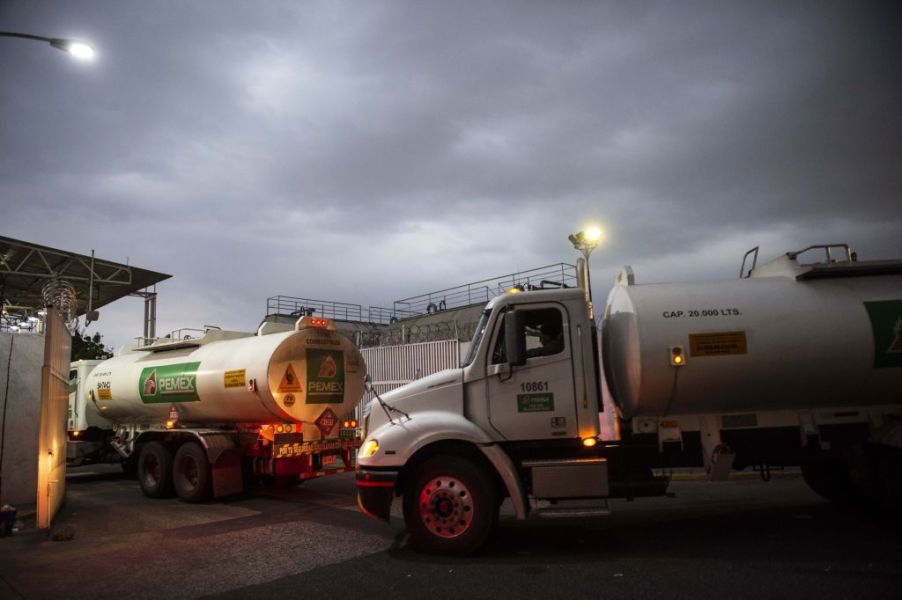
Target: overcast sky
pixel 369 151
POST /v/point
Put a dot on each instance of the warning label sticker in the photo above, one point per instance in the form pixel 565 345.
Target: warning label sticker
pixel 103 390
pixel 717 344
pixel 232 379
pixel 289 381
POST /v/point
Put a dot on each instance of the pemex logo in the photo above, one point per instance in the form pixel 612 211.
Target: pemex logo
pixel 169 383
pixel 896 346
pixel 886 325
pixel 327 367
pixel 325 376
pixel 150 384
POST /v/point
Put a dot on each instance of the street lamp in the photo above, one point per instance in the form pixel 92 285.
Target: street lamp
pixel 585 242
pixel 77 49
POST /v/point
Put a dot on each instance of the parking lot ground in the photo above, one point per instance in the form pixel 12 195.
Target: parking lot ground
pixel 738 539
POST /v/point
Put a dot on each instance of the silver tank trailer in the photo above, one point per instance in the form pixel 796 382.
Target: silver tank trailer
pixel 223 378
pixel 790 336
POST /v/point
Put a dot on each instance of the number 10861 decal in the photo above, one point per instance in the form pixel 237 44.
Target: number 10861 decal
pixel 534 386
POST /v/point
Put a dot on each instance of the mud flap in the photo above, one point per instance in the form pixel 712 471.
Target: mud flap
pixel 226 473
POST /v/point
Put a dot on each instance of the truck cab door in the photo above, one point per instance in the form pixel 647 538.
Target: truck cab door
pixel 536 400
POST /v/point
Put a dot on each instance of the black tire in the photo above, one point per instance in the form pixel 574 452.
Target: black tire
pixel 155 470
pixel 191 473
pixel 450 506
pixel 830 479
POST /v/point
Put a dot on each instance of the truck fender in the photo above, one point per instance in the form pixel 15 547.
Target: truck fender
pixel 508 473
pixel 400 440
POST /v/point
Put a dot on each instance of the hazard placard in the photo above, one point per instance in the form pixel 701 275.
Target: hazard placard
pixel 290 382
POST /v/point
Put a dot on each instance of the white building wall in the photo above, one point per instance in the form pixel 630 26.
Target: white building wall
pixel 21 358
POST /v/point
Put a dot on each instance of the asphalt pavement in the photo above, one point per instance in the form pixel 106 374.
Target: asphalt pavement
pixel 739 539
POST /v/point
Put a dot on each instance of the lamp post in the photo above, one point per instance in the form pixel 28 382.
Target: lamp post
pixel 77 49
pixel 586 241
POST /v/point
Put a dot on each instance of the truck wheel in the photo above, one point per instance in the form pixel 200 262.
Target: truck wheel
pixel 450 506
pixel 830 479
pixel 191 473
pixel 155 470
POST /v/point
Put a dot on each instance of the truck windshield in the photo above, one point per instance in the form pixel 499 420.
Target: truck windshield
pixel 477 337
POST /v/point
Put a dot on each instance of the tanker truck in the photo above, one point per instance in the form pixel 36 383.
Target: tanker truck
pixel 793 363
pixel 199 415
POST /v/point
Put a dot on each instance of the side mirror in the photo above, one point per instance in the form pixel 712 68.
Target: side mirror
pixel 515 338
pixel 368 383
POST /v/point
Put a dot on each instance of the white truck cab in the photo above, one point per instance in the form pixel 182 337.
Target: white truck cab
pixel 461 438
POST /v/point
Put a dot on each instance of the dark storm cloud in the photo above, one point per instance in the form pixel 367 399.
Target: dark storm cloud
pixel 368 151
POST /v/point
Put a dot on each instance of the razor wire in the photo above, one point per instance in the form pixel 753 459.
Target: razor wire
pixel 400 333
pixel 61 295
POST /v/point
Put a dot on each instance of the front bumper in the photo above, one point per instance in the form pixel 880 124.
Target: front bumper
pixel 375 492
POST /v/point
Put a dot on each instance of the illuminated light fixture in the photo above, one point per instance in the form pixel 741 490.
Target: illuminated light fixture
pixel 584 242
pixel 76 48
pixel 79 50
pixel 515 290
pixel 369 448
pixel 280 428
pixel 315 322
pixel 76 433
pixel 589 442
pixel 346 424
pixel 593 234
pixel 353 423
pixel 677 357
pixel 170 424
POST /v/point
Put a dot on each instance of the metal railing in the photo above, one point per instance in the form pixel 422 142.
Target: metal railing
pixel 560 275
pixel 290 306
pixel 479 292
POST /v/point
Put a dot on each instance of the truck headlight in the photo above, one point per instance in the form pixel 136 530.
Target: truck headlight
pixel 369 448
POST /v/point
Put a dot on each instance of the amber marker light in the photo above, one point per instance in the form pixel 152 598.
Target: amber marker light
pixel 589 442
pixel 369 448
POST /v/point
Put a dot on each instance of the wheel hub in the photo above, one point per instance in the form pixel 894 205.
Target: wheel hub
pixel 446 507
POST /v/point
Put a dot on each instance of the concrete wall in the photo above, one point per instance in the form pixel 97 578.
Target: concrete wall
pixel 19 469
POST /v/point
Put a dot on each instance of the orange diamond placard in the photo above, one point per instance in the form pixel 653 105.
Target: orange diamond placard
pixel 327 421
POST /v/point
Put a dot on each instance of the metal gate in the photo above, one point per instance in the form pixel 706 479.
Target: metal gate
pixel 391 367
pixel 52 430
